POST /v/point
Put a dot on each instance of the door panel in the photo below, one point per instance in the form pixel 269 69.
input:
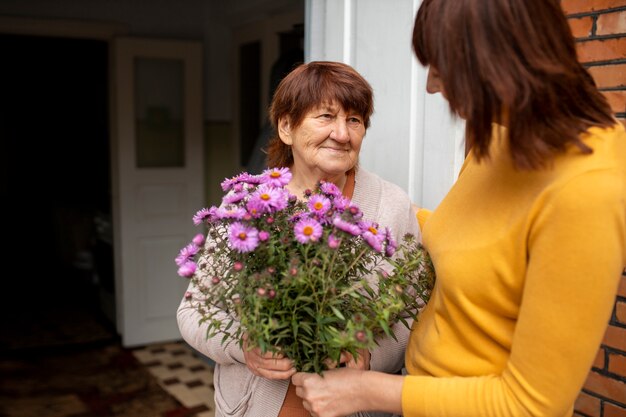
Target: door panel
pixel 157 179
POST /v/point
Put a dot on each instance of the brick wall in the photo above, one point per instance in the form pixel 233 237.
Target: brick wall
pixel 599 27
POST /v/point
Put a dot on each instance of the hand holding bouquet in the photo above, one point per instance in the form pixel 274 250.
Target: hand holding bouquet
pixel 307 278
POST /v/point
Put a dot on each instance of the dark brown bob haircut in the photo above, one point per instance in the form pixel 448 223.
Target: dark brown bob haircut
pixel 512 62
pixel 312 85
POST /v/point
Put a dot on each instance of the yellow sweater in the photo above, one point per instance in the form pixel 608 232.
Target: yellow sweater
pixel 528 264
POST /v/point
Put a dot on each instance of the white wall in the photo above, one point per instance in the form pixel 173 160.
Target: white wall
pixel 412 140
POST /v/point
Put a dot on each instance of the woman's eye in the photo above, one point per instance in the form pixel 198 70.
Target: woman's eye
pixel 326 116
pixel 354 121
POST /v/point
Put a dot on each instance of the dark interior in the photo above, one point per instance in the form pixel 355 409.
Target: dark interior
pixel 55 187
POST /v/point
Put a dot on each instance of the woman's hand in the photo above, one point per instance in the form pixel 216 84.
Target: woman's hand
pixel 267 365
pixel 345 391
pixel 336 394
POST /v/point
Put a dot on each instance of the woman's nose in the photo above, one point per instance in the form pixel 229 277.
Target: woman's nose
pixel 340 131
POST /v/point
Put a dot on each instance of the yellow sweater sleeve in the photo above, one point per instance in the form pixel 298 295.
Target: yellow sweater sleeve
pixel 576 250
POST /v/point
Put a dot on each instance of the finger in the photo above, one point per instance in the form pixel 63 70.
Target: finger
pixel 272 374
pixel 297 379
pixel 276 364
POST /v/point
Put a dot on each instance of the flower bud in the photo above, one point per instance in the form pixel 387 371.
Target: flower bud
pixel 269 220
pixel 360 336
pixel 263 235
pixel 261 291
pixel 188 295
pixel 198 240
pixel 187 269
pixel 271 269
pixel 293 271
pixel 271 294
pixel 237 266
pixel 215 280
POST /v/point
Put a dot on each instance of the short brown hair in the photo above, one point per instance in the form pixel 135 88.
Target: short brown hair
pixel 309 86
pixel 511 62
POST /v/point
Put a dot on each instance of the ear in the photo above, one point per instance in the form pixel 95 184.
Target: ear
pixel 284 131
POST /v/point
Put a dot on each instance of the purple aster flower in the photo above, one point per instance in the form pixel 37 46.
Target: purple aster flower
pixel 186 254
pixel 202 215
pixel 347 227
pixel 230 212
pixel 333 241
pixel 307 230
pixel 250 179
pixel 356 212
pixel 198 239
pixel 318 204
pixel 229 183
pixel 330 189
pixel 391 246
pixel 277 177
pixel 269 198
pixel 256 207
pixel 187 269
pixel 234 197
pixel 341 203
pixel 242 238
pixel 372 235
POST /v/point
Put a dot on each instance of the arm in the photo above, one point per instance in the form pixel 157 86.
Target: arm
pixel 575 258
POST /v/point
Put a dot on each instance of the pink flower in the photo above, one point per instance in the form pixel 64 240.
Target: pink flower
pixel 186 254
pixel 187 269
pixel 333 242
pixel 198 239
pixel 318 204
pixel 277 177
pixel 308 230
pixel 372 236
pixel 330 189
pixel 263 235
pixel 243 238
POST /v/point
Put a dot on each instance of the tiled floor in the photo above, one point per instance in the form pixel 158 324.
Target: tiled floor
pixel 182 373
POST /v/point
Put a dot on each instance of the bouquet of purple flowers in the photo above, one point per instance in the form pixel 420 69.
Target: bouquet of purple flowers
pixel 309 278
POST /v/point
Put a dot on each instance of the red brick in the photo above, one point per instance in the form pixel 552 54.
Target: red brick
pixel 598 362
pixel 617 365
pixel 581 27
pixel 615 337
pixel 620 312
pixel 582 6
pixel 621 290
pixel 611 23
pixel 609 75
pixel 612 410
pixel 605 387
pixel 588 405
pixel 617 100
pixel 601 50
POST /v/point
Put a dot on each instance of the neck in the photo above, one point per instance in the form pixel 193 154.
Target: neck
pixel 300 183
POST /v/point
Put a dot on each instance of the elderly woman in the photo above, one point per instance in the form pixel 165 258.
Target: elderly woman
pixel 320 112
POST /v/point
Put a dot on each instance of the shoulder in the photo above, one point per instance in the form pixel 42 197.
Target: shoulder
pixel 384 203
pixel 372 185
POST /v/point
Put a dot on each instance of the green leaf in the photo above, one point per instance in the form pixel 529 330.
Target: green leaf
pixel 338 313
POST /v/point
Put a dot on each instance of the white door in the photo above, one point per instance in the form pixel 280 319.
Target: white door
pixel 157 178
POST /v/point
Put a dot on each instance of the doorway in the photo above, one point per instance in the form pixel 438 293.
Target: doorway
pixel 55 188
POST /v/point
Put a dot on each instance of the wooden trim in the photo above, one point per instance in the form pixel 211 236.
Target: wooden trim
pixel 62 28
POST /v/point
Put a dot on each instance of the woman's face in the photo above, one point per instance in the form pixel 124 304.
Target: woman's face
pixel 327 142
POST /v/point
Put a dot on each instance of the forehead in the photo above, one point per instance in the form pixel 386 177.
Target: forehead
pixel 331 106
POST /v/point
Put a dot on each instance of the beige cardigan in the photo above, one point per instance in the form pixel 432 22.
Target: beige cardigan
pixel 238 392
